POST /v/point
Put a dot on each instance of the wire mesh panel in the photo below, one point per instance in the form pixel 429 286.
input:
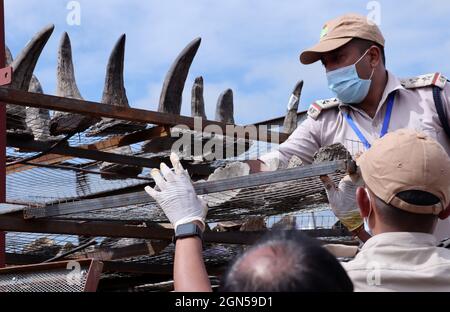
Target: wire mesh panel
pixel 71 276
pixel 269 199
pixel 43 169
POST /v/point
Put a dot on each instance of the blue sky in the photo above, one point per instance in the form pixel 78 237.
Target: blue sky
pixel 250 46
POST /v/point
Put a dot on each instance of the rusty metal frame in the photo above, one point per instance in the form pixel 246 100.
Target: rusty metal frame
pixel 3 128
pixel 93 275
pixel 6 75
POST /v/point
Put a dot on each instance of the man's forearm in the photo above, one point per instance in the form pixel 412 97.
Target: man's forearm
pixel 189 269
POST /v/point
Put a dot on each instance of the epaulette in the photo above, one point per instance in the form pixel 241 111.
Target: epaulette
pixel 423 81
pixel 317 107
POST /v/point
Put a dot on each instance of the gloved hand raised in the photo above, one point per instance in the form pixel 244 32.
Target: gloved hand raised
pixel 176 195
pixel 342 200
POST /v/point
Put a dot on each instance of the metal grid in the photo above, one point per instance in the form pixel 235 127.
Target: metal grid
pixel 273 199
pixel 46 183
pixel 70 276
pixel 48 281
pixel 45 245
pixel 37 185
pixel 50 245
pixel 41 186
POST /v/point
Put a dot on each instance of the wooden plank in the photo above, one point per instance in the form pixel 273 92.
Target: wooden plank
pixel 86 153
pixel 138 115
pixel 147 134
pixel 137 198
pixel 51 159
pixel 9 208
pixel 105 145
pixel 14 223
pixel 150 248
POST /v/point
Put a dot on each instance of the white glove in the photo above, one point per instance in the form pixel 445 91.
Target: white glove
pixel 342 200
pixel 177 196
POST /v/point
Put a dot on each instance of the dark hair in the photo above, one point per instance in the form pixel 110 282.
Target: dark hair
pixel 292 262
pixel 364 44
pixel 407 221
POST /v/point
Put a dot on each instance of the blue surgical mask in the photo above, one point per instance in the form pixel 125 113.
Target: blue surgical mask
pixel 347 85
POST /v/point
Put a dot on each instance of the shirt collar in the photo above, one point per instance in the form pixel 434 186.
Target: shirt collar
pixel 407 239
pixel 393 84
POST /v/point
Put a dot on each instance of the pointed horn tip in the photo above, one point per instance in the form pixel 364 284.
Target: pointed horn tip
pixel 65 40
pixel 198 79
pixel 44 33
pixel 49 27
pixel 120 44
pixel 196 42
pixel 121 40
pixel 47 30
pixel 298 88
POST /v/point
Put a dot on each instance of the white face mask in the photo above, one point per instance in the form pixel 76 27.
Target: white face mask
pixel 366 220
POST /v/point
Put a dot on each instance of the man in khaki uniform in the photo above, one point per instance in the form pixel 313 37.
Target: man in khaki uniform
pixel 401 205
pixel 370 102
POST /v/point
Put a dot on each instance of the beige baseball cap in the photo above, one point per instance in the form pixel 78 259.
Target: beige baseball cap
pixel 340 31
pixel 406 160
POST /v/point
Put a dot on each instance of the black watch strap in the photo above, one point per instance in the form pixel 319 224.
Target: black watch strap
pixel 188 230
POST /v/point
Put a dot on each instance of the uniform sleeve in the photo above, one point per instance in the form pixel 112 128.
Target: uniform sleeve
pixel 304 142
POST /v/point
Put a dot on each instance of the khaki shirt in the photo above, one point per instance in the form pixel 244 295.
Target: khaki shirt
pixel 400 262
pixel 413 109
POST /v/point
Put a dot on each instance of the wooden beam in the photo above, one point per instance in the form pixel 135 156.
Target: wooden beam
pixel 142 197
pixel 105 145
pixel 51 159
pixel 138 115
pixel 15 223
pixel 85 153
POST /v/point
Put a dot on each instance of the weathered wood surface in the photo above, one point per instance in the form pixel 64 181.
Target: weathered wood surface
pixel 93 109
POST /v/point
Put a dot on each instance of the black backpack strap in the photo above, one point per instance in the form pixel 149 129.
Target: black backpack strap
pixel 440 110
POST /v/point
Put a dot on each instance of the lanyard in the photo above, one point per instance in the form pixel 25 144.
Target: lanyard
pixel 384 129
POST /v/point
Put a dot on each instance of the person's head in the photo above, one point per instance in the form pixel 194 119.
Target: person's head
pixel 286 261
pixel 407 183
pixel 350 40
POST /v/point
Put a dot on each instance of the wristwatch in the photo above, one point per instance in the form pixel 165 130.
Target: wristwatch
pixel 187 230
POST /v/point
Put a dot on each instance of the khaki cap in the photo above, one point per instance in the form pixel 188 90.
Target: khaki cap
pixel 340 31
pixel 406 160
